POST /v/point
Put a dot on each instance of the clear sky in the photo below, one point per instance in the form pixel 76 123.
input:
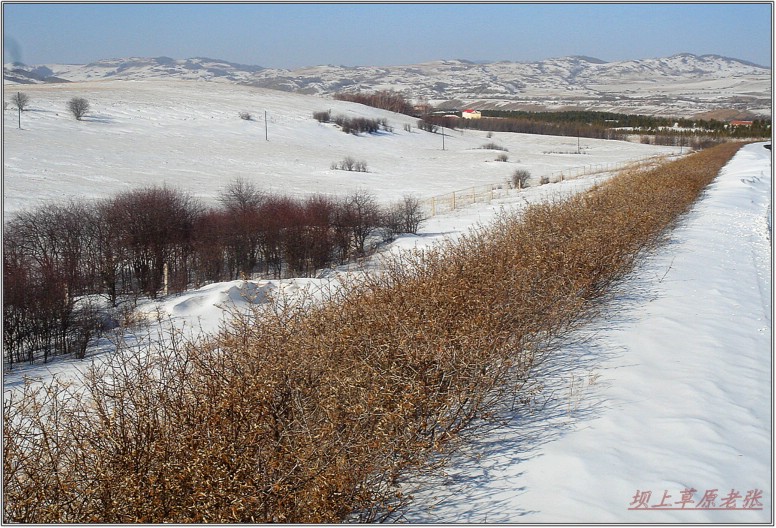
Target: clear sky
pixel 294 35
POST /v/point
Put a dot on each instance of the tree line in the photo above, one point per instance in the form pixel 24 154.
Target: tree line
pixel 605 125
pixel 639 122
pixel 385 99
pixel 523 126
pixel 67 267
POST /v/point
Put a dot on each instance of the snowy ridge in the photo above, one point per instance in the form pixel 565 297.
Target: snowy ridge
pixel 679 85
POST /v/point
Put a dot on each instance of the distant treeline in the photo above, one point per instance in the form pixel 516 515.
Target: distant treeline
pixel 386 99
pixel 695 133
pixel 58 257
pixel 527 126
pixel 759 127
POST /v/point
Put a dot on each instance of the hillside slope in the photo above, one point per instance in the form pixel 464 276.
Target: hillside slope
pixel 189 135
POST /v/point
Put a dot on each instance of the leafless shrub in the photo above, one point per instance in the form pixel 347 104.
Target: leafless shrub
pixel 79 107
pixel 520 178
pixel 350 164
pixel 228 240
pixel 358 125
pixel 405 216
pixel 21 100
pixel 240 196
pixel 246 116
pixel 493 146
pixel 322 117
pixel 46 267
pixel 359 216
pixel 502 157
pixel 156 227
pixel 428 126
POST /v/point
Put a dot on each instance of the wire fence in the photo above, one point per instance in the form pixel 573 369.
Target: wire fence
pixel 488 192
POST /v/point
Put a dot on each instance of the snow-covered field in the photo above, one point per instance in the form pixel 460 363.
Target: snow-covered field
pixel 188 135
pixel 670 391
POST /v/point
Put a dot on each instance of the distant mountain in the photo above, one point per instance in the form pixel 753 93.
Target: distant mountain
pixel 683 84
pixel 139 68
pixel 21 74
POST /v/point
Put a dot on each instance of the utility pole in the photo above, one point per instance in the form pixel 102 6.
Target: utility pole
pixel 19 107
pixel 443 137
pixel 266 130
pixel 578 150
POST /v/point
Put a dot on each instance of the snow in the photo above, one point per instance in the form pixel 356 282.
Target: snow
pixel 670 389
pixel 188 134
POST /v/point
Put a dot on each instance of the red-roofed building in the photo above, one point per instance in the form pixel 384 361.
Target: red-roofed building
pixel 471 114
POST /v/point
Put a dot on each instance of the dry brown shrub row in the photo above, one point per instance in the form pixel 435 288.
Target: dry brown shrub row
pixel 307 412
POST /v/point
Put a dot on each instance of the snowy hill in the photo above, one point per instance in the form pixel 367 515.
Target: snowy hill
pixel 680 85
pixel 134 68
pixel 189 135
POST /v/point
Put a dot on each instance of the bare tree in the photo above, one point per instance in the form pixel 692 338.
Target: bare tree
pixel 240 196
pixel 156 228
pixel 46 267
pixel 403 217
pixel 411 214
pixel 78 106
pixel 21 100
pixel 360 216
pixel 520 178
pixel 242 201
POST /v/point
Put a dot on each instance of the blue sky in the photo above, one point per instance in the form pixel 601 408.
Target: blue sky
pixel 295 35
